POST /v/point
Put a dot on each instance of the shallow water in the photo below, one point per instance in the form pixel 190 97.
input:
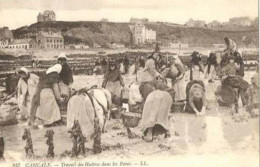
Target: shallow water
pixel 213 134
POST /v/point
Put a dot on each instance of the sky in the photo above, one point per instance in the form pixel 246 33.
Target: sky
pixel 17 13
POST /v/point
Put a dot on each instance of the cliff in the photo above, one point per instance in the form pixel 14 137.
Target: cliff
pixel 107 32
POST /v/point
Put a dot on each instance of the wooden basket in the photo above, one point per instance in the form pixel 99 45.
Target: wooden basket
pixel 130 119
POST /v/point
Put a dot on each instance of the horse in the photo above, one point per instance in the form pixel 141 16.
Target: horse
pixel 29 145
pixel 86 105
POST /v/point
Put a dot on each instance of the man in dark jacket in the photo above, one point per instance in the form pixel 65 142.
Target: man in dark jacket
pixel 103 66
pixel 126 63
pixel 240 62
pixel 66 76
pixel 211 63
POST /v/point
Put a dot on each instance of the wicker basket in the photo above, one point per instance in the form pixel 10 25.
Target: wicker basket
pixel 135 108
pixel 177 107
pixel 116 113
pixel 130 119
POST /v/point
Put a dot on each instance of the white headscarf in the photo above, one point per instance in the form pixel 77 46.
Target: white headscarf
pixel 55 68
pixel 24 70
pixel 62 55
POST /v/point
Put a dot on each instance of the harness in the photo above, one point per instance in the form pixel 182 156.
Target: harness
pixel 91 93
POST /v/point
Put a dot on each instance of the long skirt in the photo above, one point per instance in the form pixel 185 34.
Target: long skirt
pixel 25 110
pixel 196 73
pixel 156 109
pixel 48 111
pixel 114 88
pixel 180 90
pixel 237 82
pixel 211 74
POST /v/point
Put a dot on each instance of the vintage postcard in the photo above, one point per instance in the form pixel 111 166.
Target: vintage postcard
pixel 119 83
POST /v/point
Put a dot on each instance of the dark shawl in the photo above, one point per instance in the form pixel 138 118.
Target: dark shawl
pixel 212 60
pixel 66 74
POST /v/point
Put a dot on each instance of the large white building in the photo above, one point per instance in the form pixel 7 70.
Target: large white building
pixel 214 23
pixel 22 44
pixel 142 35
pixel 241 21
pixel 195 23
pixel 50 40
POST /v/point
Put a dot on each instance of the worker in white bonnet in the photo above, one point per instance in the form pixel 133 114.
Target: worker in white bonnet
pixel 66 76
pixel 179 83
pixel 26 89
pixel 48 97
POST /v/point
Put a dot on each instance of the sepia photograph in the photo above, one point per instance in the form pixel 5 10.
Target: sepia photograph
pixel 119 83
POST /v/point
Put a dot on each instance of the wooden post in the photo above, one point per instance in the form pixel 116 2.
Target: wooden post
pixel 2 147
pixel 81 147
pixel 75 134
pixel 29 145
pixel 49 135
pixel 97 137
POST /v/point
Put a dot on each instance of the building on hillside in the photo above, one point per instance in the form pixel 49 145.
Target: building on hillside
pixel 190 23
pixel 200 23
pixel 104 20
pixel 240 21
pixel 225 24
pixel 50 40
pixel 116 45
pixel 136 20
pixel 195 23
pixel 47 15
pixel 22 44
pixel 142 35
pixel 213 24
pixel 80 46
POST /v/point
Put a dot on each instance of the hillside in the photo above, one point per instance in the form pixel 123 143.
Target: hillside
pixel 108 32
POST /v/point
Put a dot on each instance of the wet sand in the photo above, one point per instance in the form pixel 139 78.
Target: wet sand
pixel 215 136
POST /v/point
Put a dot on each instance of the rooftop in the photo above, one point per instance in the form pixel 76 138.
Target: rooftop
pixel 51 34
pixel 20 41
pixel 47 12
